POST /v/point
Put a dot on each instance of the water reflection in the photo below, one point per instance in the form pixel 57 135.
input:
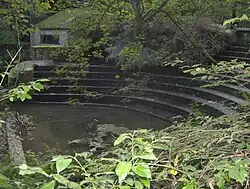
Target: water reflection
pixel 58 126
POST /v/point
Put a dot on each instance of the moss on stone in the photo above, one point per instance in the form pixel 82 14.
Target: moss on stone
pixel 61 20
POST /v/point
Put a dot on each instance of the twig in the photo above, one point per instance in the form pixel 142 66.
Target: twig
pixel 9 65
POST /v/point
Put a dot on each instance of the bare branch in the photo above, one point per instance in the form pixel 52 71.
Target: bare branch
pixel 9 65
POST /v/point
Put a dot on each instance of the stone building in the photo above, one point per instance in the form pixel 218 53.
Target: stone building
pixel 53 31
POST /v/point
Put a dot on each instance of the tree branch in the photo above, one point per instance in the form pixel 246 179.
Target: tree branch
pixel 150 14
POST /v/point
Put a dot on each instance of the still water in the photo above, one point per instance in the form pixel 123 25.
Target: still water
pixel 57 125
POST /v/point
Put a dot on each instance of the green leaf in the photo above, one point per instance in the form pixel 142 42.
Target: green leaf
pixel 56 158
pixel 138 185
pixel 38 86
pixel 62 164
pixel 220 181
pixel 129 181
pixel 83 154
pixel 27 96
pixel 189 168
pixel 25 88
pixel 26 170
pixel 22 96
pixel 122 169
pixel 74 185
pixel 145 182
pixel 42 80
pixel 204 77
pixel 238 174
pixel 149 156
pixel 50 185
pixel 124 187
pixel 61 179
pixel 160 147
pixel 190 185
pixel 117 76
pixel 121 138
pixel 173 172
pixel 11 98
pixel 3 181
pixel 142 170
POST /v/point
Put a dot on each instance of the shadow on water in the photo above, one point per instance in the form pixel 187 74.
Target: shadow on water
pixel 70 128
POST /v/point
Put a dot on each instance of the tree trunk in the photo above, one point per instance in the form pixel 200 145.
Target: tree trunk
pixel 136 4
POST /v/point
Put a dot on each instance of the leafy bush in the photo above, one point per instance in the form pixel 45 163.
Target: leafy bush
pixel 201 152
pixel 24 91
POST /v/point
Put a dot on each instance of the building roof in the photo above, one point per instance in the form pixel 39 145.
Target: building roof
pixel 61 20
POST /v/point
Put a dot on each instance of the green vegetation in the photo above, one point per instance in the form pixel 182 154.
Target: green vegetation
pixel 22 91
pixel 61 20
pixel 194 152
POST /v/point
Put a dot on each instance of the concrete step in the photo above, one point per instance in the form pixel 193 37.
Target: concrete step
pixel 189 81
pixel 143 110
pixel 176 90
pixel 239 54
pixel 238 48
pixel 182 99
pixel 167 83
pixel 131 101
pixel 88 82
pixel 178 98
pixel 77 67
pixel 204 93
pixel 229 58
pixel 81 74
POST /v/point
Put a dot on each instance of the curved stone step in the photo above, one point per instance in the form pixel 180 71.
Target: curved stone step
pixel 211 107
pixel 180 99
pixel 238 48
pixel 84 74
pixel 182 87
pixel 235 54
pixel 144 111
pixel 160 107
pixel 74 67
pixel 194 82
pixel 229 58
pixel 206 93
pixel 178 81
pixel 88 82
pixel 203 93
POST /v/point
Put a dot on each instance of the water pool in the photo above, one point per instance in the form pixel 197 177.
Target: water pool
pixel 56 125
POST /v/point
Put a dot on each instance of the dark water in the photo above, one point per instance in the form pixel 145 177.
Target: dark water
pixel 56 125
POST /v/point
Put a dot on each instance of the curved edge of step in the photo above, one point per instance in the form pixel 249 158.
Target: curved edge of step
pixel 104 105
pixel 173 109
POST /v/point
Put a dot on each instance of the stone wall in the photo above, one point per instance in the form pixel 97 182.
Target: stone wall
pixel 35 37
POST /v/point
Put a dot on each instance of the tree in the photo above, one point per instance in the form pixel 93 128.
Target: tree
pixel 19 14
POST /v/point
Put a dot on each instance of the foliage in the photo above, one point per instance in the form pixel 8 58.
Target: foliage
pixel 138 33
pixel 222 72
pixel 19 13
pixel 25 91
pixel 180 156
pixel 22 91
pixel 198 152
pixel 236 20
pixel 135 33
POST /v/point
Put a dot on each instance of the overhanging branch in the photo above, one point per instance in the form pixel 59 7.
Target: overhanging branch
pixel 150 14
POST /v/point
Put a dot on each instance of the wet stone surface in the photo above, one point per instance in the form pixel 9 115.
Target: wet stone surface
pixel 80 128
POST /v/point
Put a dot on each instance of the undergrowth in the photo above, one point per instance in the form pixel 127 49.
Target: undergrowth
pixel 200 152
